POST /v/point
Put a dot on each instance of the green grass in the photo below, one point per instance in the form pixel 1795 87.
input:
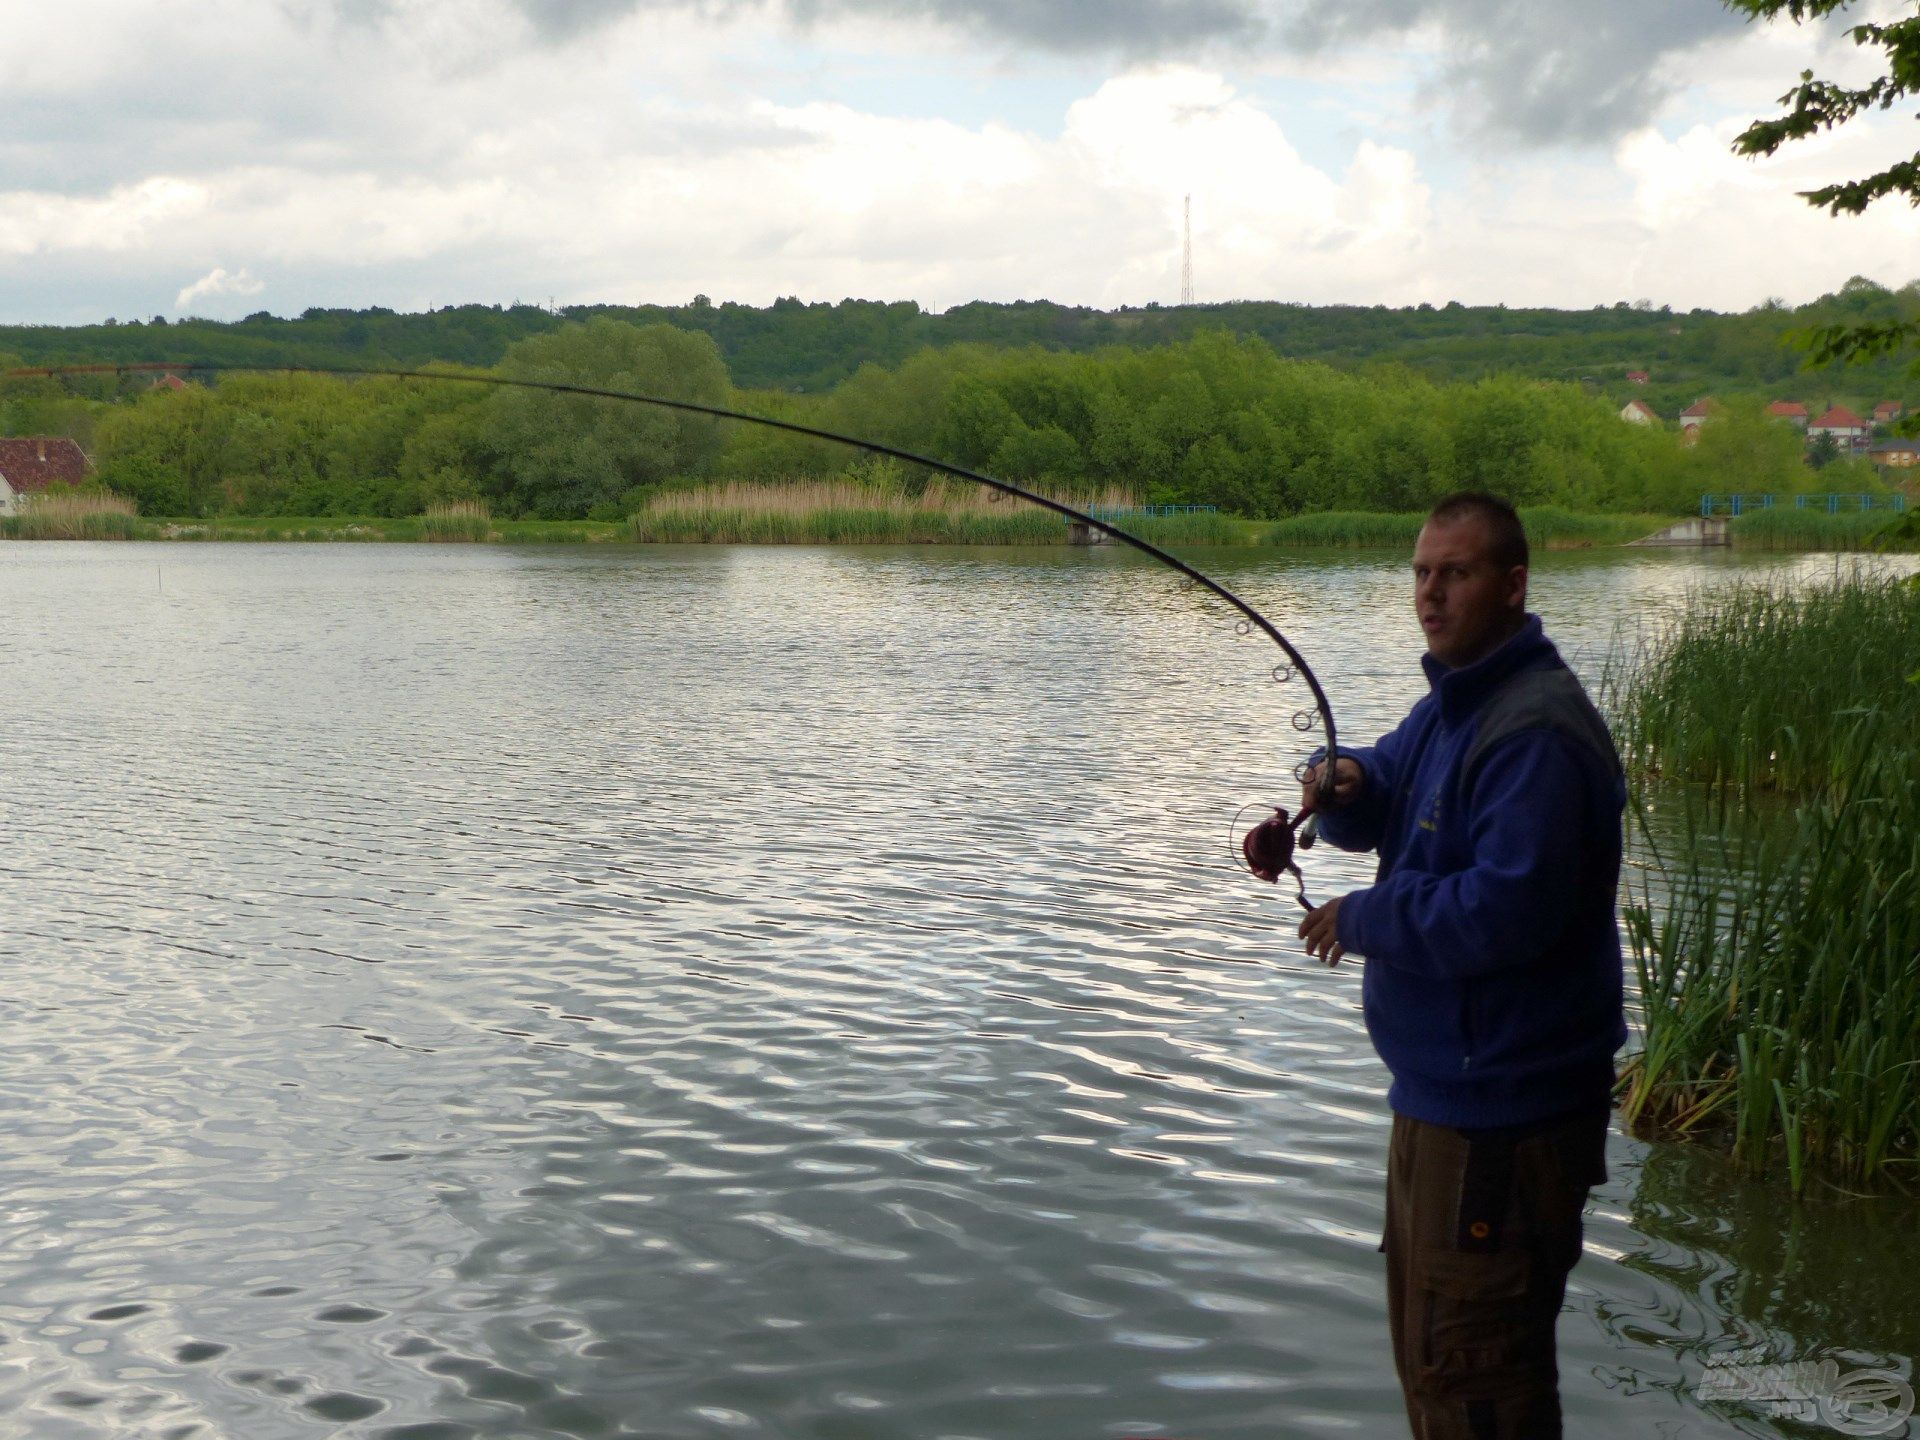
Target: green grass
pixel 1785 528
pixel 1774 737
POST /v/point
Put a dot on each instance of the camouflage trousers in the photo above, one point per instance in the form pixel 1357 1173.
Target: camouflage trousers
pixel 1482 1228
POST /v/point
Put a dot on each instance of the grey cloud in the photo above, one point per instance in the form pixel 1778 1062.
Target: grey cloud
pixel 1130 27
pixel 1537 72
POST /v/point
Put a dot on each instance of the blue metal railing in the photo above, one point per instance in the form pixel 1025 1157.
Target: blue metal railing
pixel 1833 504
pixel 1734 504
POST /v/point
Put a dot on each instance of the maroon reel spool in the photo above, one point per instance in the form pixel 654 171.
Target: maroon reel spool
pixel 1269 846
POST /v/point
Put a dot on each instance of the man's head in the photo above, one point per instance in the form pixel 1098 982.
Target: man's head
pixel 1470 577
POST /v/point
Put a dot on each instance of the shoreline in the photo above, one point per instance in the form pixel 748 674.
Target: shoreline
pixel 1549 529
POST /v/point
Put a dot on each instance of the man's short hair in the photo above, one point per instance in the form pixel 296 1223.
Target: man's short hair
pixel 1507 545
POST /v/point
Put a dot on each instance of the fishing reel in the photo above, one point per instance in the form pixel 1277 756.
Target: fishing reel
pixel 1268 848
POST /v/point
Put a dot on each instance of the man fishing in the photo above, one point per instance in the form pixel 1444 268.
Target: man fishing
pixel 1493 984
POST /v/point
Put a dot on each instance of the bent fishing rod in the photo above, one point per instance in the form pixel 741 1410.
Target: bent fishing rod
pixel 1268 848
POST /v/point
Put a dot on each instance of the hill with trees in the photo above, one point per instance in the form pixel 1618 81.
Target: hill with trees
pixel 810 348
pixel 1218 419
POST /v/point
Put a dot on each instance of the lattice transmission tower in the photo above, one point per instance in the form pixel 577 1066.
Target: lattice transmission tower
pixel 1186 253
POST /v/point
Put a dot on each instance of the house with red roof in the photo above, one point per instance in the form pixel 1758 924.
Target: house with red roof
pixel 1792 411
pixel 1637 377
pixel 1849 431
pixel 1888 411
pixel 1697 414
pixel 30 463
pixel 168 382
pixel 1638 412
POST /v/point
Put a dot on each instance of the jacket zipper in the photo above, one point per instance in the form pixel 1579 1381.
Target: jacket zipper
pixel 1466 1024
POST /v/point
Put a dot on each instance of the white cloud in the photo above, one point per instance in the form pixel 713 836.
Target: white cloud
pixel 126 217
pixel 434 156
pixel 1719 231
pixel 218 282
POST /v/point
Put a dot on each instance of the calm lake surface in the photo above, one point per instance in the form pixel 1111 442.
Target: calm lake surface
pixel 749 992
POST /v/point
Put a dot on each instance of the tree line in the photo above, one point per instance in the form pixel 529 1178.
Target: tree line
pixel 812 348
pixel 1218 419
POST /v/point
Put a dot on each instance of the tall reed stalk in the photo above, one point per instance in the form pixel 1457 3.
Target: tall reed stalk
pixel 1779 970
pixel 841 512
pixel 469 520
pixel 1786 528
pixel 79 515
pixel 1776 925
pixel 1758 684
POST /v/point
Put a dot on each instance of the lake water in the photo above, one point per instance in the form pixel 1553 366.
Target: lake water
pixel 748 992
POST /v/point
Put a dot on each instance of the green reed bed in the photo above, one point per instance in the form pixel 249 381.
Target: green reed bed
pixel 1205 527
pixel 1779 971
pixel 79 516
pixel 1786 528
pixel 1760 685
pixel 1347 529
pixel 1549 527
pixel 1775 927
pixel 867 525
pixel 844 512
pixel 462 520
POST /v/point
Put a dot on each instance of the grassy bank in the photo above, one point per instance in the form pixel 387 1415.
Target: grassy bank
pixel 1776 928
pixel 1785 528
pixel 1549 527
pixel 370 528
pixel 846 512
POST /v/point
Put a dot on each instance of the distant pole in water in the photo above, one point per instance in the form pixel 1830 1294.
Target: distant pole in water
pixel 1186 252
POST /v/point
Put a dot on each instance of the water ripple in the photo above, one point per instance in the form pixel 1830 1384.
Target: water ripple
pixel 731 992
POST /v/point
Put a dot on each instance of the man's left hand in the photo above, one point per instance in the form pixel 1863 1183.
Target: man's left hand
pixel 1322 933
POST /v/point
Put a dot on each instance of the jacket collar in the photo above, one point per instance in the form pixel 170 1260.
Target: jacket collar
pixel 1461 690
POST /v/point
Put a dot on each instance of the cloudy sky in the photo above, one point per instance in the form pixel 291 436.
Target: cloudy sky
pixel 225 156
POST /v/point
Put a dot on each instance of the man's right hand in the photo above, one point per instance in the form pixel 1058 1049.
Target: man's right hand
pixel 1348 780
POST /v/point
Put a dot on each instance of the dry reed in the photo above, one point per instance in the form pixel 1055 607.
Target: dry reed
pixel 72 515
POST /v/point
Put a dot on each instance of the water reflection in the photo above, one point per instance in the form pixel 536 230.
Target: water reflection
pixel 709 992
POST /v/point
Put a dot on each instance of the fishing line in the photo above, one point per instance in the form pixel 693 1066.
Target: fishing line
pixel 1319 716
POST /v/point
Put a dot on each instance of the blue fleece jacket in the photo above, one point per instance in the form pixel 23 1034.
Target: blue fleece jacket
pixel 1493 984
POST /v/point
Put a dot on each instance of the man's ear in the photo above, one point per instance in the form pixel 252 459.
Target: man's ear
pixel 1517 587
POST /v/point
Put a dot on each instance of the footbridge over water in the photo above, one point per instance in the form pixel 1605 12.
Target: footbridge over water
pixel 1717 513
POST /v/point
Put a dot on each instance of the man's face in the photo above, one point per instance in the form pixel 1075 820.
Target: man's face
pixel 1467 604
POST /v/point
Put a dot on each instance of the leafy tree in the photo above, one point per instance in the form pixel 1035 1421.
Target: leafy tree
pixel 167 450
pixel 564 455
pixel 1816 105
